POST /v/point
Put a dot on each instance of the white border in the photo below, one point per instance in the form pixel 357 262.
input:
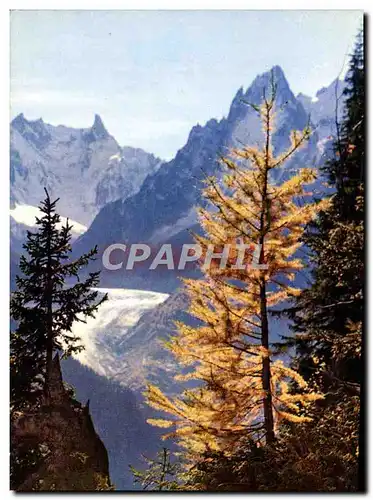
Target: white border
pixel 4 137
pixel 189 5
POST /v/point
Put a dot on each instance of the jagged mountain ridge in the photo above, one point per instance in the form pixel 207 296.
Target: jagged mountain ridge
pixel 140 356
pixel 85 168
pixel 165 205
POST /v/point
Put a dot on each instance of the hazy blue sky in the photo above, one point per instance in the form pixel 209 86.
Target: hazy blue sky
pixel 153 75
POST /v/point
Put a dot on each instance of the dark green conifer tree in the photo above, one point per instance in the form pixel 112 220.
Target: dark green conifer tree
pixel 50 297
pixel 346 170
pixel 329 314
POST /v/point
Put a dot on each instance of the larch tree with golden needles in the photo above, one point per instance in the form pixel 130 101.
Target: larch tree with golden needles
pixel 242 392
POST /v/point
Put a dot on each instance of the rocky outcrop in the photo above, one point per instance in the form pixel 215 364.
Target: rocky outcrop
pixel 73 457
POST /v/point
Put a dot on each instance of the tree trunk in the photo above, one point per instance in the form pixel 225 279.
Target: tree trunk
pixel 266 368
pixel 49 305
pixel 49 354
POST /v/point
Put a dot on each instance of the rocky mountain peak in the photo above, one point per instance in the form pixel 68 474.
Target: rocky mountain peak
pixel 240 107
pixel 33 131
pixel 262 84
pixel 19 121
pixel 237 98
pixel 278 73
pixel 98 128
pixel 325 90
pixel 323 108
pixel 21 124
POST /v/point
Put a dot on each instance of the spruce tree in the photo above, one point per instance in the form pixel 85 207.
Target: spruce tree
pixel 328 316
pixel 49 298
pixel 346 170
pixel 242 391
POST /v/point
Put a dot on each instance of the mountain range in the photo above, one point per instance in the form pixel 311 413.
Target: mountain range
pixel 164 207
pixel 85 168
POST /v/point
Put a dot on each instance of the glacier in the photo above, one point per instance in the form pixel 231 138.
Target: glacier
pixel 101 336
pixel 26 215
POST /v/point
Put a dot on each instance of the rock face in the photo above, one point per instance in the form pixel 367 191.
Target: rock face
pixel 85 168
pixel 74 457
pixel 324 110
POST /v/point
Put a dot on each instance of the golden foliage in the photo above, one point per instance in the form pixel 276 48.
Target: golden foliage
pixel 226 352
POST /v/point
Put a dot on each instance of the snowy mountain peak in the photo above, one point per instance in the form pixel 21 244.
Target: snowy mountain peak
pixel 75 165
